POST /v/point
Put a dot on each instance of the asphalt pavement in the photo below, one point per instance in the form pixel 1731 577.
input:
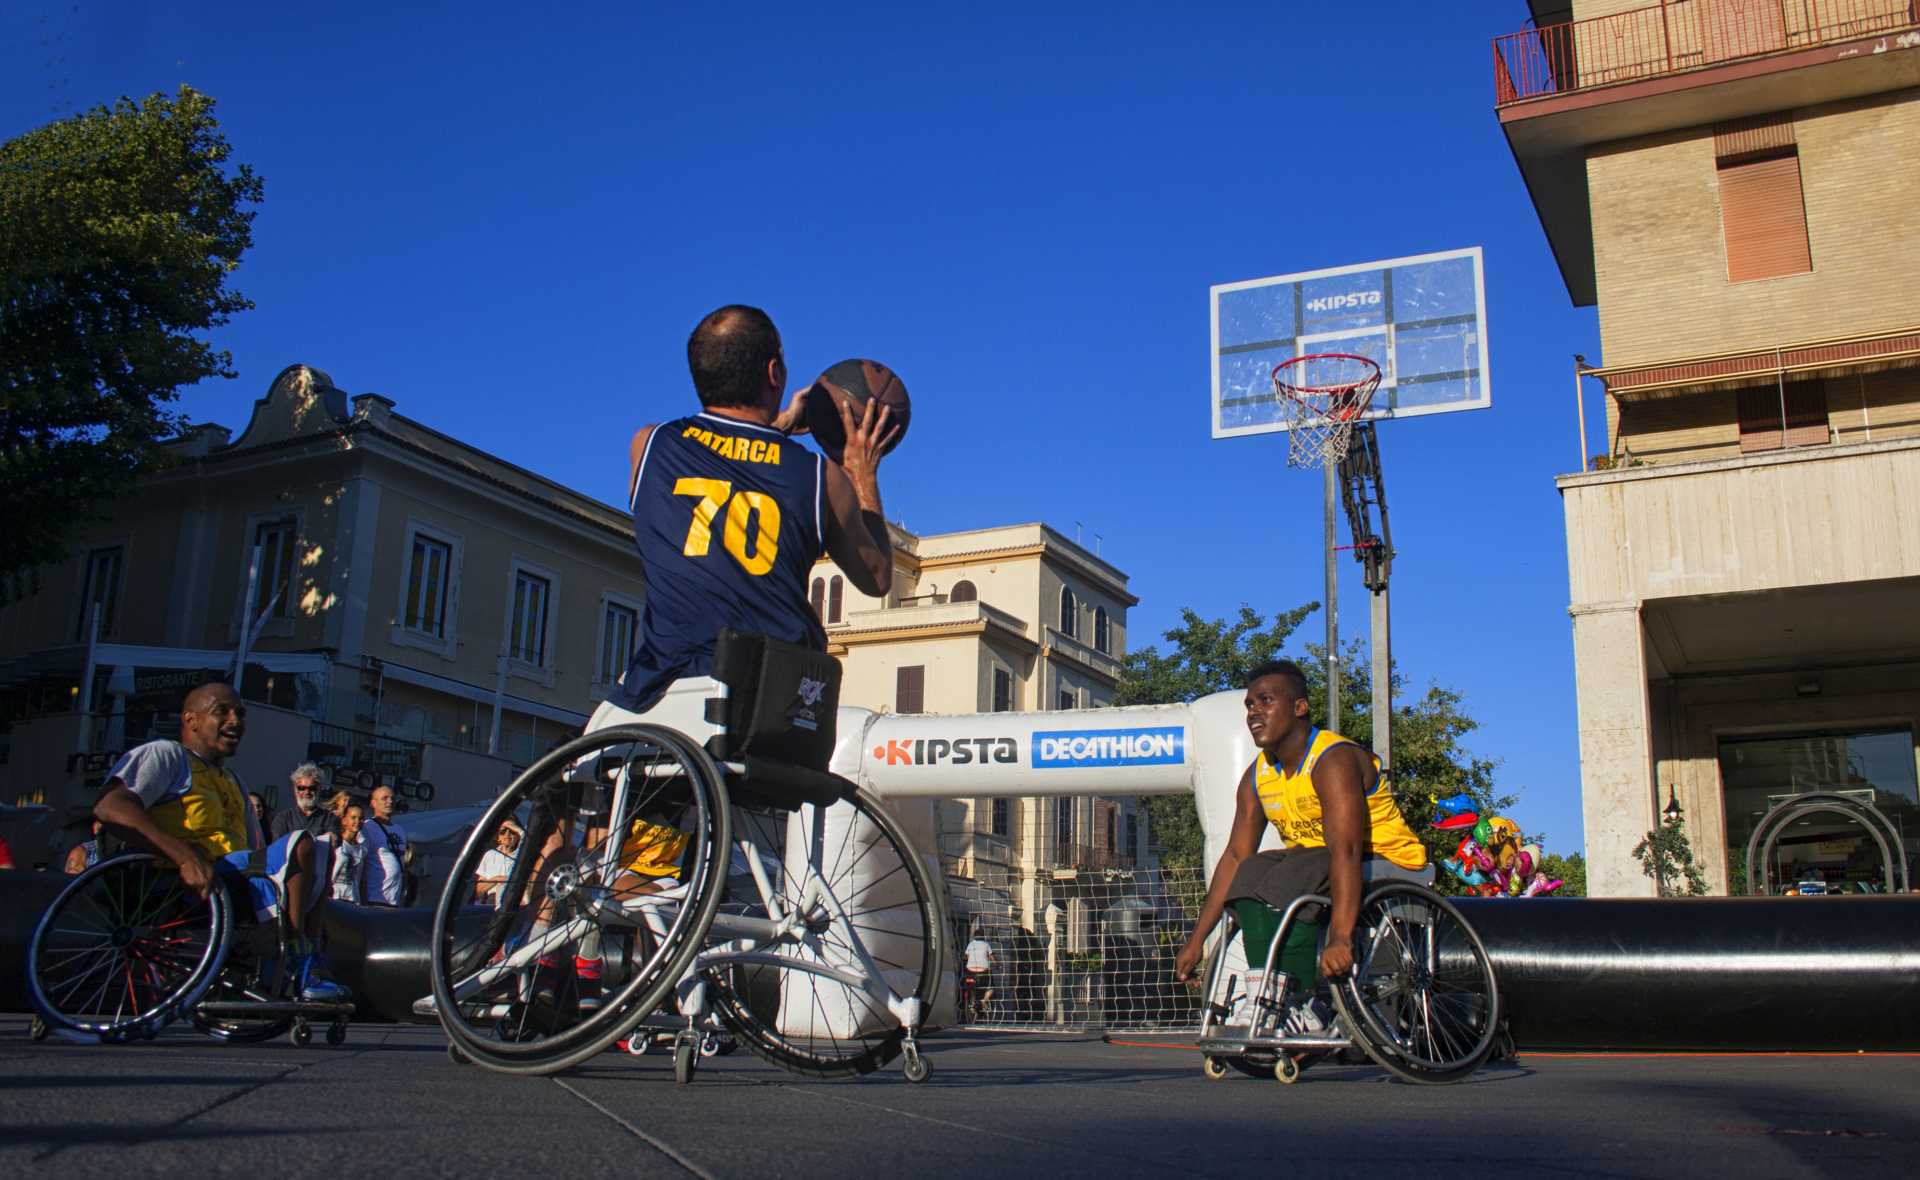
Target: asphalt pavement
pixel 389 1103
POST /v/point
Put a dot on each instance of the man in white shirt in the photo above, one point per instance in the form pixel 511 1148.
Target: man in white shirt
pixel 975 986
pixel 386 852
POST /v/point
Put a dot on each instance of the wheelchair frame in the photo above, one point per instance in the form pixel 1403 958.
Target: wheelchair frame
pixel 806 929
pixel 1409 1050
pixel 264 1012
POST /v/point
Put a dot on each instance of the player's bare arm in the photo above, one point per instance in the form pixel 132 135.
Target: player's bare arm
pixel 857 538
pixel 121 811
pixel 1340 780
pixel 1242 842
pixel 636 451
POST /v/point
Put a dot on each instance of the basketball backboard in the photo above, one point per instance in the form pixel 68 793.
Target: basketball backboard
pixel 1421 319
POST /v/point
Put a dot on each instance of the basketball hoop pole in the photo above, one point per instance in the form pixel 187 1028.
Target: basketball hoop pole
pixel 1332 490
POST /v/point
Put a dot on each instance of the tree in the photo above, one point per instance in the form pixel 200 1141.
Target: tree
pixel 118 231
pixel 1214 655
pixel 1666 855
pixel 1570 870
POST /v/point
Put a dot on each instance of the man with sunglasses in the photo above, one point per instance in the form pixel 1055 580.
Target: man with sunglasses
pixel 306 814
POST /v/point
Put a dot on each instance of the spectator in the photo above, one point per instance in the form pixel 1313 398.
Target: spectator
pixel 497 865
pixel 386 852
pixel 349 856
pixel 261 811
pixel 306 812
pixel 86 854
pixel 337 805
pixel 976 985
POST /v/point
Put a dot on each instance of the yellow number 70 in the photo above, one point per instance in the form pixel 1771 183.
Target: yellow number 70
pixel 716 492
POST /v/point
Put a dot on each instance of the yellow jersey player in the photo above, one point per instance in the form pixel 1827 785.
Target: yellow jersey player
pixel 178 800
pixel 1325 796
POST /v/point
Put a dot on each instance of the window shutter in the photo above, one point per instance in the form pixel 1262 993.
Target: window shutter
pixel 963 591
pixel 1764 219
pixel 836 591
pixel 1806 416
pixel 910 689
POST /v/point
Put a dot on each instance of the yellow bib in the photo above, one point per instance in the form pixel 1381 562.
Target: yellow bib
pixel 1289 801
pixel 653 850
pixel 209 812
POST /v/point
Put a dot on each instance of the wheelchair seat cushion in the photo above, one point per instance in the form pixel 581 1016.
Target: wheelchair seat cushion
pixel 1379 868
pixel 782 700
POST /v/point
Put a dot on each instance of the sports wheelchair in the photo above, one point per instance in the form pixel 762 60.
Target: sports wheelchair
pixel 126 949
pixel 1421 1000
pixel 790 910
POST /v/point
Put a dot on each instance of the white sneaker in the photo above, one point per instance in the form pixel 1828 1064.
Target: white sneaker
pixel 1310 1017
pixel 1241 1018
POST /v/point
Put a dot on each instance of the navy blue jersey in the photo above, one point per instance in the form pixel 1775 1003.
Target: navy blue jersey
pixel 729 518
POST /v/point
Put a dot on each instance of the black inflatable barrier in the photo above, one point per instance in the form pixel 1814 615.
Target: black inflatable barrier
pixel 1777 973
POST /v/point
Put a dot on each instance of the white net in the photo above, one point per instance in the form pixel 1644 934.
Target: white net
pixel 1322 398
pixel 1079 948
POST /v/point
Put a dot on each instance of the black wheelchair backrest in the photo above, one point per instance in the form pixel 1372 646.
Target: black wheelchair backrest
pixel 782 700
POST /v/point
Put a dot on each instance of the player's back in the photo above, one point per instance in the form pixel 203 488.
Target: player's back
pixel 729 517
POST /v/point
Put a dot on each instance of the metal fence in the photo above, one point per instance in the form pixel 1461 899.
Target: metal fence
pixel 1080 949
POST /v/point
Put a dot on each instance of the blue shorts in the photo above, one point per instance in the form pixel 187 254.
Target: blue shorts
pixel 272 862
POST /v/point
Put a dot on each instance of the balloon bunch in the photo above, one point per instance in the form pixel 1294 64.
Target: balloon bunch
pixel 1491 859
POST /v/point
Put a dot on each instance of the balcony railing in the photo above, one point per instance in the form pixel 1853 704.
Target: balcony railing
pixel 1677 36
pixel 1088 857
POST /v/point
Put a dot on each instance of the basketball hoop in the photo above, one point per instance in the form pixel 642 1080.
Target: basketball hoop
pixel 1321 417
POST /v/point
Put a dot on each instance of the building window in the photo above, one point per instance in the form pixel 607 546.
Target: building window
pixel 910 689
pixel 1871 766
pixel 1063 822
pixel 1102 633
pixel 102 589
pixel 1002 691
pixel 1763 215
pixel 1069 614
pixel 1067 699
pixel 1002 821
pixel 817 598
pixel 617 629
pixel 963 591
pixel 1113 829
pixel 836 593
pixel 277 543
pixel 428 577
pixel 527 639
pixel 1793 415
pixel 1133 835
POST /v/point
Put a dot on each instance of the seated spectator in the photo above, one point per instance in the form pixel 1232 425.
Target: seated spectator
pixel 497 865
pixel 261 811
pixel 349 856
pixel 306 812
pixel 86 854
pixel 178 800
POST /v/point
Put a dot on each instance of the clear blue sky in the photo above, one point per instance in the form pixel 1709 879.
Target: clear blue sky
pixel 508 219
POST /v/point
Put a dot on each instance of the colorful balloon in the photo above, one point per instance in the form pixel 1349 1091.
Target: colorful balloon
pixel 1483 832
pixel 1456 804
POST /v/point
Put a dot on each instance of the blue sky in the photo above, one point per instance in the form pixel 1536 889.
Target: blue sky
pixel 508 223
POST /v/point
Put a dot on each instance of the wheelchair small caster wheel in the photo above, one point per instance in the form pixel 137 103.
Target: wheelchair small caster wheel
pixel 917 1069
pixel 37 1030
pixel 337 1033
pixel 457 1055
pixel 1504 1050
pixel 637 1044
pixel 302 1034
pixel 710 1045
pixel 686 1058
pixel 1214 1069
pixel 1287 1069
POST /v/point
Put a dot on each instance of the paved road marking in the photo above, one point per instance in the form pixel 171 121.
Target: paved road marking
pixel 637 1133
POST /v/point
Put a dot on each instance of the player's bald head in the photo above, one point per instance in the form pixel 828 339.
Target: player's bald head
pixel 204 697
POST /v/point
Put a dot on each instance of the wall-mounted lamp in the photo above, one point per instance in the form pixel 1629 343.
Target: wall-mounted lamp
pixel 1672 810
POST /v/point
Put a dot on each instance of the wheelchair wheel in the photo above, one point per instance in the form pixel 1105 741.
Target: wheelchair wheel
pixel 583 799
pixel 254 971
pixel 1421 998
pixel 124 949
pixel 864 895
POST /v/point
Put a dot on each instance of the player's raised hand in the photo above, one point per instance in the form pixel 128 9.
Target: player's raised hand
pixel 868 438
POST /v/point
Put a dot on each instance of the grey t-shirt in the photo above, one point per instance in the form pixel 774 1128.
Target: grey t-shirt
pixel 349 869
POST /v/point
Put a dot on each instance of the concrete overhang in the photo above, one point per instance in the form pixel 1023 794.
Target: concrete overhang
pixel 1551 135
pixel 1801 629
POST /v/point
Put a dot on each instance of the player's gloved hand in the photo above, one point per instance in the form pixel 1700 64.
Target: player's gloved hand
pixel 196 874
pixel 1337 958
pixel 793 419
pixel 1187 960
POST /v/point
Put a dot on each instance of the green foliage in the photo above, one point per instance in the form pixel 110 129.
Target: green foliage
pixel 118 231
pixel 1570 869
pixel 1214 655
pixel 1666 855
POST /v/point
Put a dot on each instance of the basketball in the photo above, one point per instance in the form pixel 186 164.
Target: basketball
pixel 856 382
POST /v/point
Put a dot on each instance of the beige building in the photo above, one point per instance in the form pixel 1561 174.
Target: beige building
pixel 422 610
pixel 993 620
pixel 1733 185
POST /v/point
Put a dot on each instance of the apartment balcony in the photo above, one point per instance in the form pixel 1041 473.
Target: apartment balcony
pixel 1060 645
pixel 1088 858
pixel 1562 88
pixel 924 618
